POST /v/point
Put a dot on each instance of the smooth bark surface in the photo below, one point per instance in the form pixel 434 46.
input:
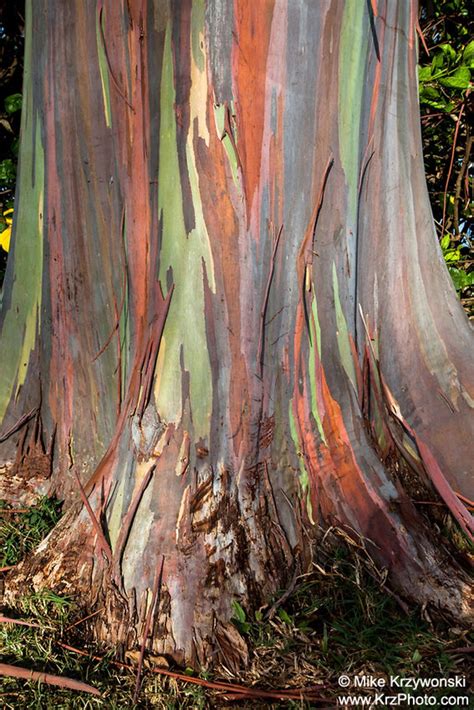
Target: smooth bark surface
pixel 226 317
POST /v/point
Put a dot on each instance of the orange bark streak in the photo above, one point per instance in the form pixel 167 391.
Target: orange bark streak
pixel 253 26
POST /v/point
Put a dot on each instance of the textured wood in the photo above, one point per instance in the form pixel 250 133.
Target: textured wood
pixel 232 313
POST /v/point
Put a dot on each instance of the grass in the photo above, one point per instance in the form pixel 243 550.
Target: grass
pixel 338 619
pixel 22 532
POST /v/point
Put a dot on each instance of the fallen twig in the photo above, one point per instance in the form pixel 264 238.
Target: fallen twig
pixel 309 693
pixel 85 618
pixel 20 622
pixel 463 649
pixel 21 422
pixel 271 613
pixel 469 503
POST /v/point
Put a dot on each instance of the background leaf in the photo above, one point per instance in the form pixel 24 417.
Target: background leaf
pixel 13 103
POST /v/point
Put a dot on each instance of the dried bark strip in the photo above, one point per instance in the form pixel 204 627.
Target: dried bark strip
pixel 58 681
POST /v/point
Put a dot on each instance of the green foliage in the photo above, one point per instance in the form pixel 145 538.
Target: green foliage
pixel 239 618
pixel 15 146
pixel 461 279
pixel 285 617
pixel 7 171
pixel 46 606
pixel 448 75
pixel 8 204
pixel 22 532
pixel 456 263
pixel 12 20
pixel 13 103
pixel 445 84
pixel 449 254
pixel 468 55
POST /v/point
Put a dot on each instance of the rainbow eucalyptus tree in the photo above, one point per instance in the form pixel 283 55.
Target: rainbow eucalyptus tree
pixel 225 316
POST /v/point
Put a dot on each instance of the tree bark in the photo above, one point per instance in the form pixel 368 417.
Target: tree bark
pixel 225 317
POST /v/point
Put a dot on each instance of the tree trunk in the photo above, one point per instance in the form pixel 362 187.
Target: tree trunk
pixel 225 317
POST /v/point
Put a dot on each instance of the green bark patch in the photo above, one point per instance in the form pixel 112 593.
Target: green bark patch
pixel 184 347
pixel 21 325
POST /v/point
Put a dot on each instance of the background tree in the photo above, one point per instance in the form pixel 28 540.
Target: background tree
pixel 447 61
pixel 226 316
pixel 11 75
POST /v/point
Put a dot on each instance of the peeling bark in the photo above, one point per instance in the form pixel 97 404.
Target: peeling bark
pixel 225 316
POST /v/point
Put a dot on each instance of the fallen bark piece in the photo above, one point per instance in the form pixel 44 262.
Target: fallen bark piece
pixel 59 681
